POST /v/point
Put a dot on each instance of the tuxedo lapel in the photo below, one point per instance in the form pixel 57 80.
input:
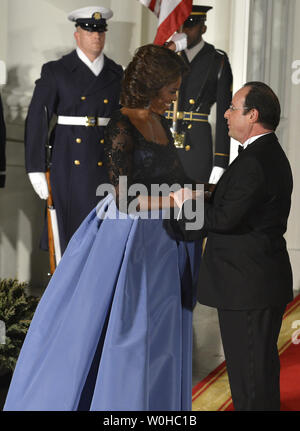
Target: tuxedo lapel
pixel 263 140
pixel 268 139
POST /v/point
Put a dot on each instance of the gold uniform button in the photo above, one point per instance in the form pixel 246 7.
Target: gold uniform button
pixel 100 163
pixel 83 98
pixel 192 101
pixel 78 140
pixel 76 162
pixel 105 100
pixel 102 141
pixel 190 126
pixel 187 148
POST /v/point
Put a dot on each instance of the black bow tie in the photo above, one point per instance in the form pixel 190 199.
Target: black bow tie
pixel 241 148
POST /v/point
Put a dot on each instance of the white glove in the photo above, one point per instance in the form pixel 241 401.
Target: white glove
pixel 180 40
pixel 39 183
pixel 216 174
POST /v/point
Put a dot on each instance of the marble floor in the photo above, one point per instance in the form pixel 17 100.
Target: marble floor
pixel 207 345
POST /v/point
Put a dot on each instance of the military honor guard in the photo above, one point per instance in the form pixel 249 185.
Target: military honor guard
pixel 81 90
pixel 209 81
pixel 2 146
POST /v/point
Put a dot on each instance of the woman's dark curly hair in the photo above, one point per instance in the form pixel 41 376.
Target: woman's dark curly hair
pixel 151 68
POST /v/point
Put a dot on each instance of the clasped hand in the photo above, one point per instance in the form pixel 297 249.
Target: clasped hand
pixel 184 194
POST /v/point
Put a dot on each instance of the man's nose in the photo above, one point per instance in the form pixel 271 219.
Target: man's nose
pixel 226 115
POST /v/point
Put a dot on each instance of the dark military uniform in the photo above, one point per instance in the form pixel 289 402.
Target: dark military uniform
pixel 2 146
pixel 67 87
pixel 208 81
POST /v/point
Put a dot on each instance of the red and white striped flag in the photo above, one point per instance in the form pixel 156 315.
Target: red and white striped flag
pixel 171 15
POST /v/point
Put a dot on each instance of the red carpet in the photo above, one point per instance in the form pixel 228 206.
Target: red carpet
pixel 213 392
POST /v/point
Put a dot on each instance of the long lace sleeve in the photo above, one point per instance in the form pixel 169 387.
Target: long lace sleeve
pixel 118 153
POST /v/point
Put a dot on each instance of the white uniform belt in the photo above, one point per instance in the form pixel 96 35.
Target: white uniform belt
pixel 82 121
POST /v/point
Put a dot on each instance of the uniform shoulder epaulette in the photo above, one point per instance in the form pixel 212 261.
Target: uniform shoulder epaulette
pixel 68 60
pixel 223 59
pixel 223 53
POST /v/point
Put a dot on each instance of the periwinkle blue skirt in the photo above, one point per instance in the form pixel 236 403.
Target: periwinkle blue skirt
pixel 113 330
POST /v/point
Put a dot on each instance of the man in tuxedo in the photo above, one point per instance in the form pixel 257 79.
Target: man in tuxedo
pixel 245 271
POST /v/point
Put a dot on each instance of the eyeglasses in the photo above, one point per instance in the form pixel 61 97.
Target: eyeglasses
pixel 233 108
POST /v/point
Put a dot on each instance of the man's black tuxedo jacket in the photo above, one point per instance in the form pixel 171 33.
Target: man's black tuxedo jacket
pixel 246 264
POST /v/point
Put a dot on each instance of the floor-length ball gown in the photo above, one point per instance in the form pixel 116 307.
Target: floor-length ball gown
pixel 113 329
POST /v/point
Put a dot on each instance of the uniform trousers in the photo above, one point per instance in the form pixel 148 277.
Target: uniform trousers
pixel 250 346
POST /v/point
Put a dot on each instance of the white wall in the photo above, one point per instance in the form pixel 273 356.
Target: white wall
pixel 293 147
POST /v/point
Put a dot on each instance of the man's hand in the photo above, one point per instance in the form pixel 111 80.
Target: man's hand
pixel 216 174
pixel 39 183
pixel 182 195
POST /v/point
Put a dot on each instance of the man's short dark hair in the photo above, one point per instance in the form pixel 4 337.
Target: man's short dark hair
pixel 263 98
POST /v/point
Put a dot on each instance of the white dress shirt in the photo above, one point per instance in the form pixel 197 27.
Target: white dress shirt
pixel 96 66
pixel 252 139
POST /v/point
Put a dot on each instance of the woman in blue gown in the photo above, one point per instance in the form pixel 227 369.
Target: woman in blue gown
pixel 113 330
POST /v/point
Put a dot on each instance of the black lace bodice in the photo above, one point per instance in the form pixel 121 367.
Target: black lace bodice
pixel 128 153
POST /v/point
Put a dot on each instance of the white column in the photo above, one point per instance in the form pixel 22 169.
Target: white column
pixel 293 147
pixel 240 12
pixel 273 52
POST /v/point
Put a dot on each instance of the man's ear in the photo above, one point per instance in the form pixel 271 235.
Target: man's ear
pixel 204 28
pixel 76 36
pixel 254 115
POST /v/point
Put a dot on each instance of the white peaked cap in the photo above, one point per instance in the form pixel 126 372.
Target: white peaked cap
pixel 88 12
